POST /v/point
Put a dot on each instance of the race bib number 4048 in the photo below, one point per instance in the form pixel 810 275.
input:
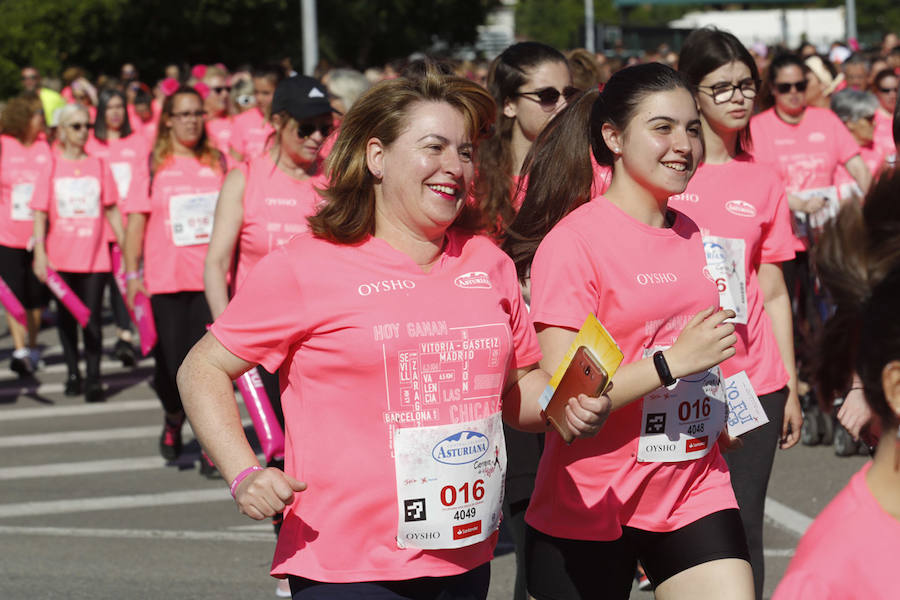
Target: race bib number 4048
pixel 684 421
pixel 450 482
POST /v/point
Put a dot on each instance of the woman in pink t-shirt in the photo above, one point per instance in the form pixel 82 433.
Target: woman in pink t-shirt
pixel 23 158
pixel 251 129
pixel 885 87
pixel 399 337
pixel 740 207
pixel 126 152
pixel 850 551
pixel 653 486
pixel 170 218
pixel 72 204
pixel 857 111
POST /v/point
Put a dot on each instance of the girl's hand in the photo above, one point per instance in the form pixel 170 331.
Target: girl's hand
pixel 703 343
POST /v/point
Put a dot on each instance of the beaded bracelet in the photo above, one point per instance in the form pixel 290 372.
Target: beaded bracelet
pixel 132 275
pixel 242 476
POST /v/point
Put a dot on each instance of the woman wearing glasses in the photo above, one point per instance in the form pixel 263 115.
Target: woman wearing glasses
pixel 170 217
pixel 740 206
pixel 885 88
pixel 70 206
pixel 219 122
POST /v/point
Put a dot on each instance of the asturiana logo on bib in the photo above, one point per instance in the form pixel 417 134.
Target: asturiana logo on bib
pixel 461 448
pixel 474 279
pixel 739 208
pixel 715 253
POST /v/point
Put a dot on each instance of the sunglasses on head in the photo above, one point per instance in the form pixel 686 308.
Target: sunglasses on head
pixel 548 97
pixel 304 130
pixel 785 88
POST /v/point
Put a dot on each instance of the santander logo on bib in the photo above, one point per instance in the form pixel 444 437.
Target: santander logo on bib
pixel 461 448
pixel 739 208
pixel 473 280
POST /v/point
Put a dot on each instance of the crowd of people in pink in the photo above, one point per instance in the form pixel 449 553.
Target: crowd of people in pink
pixel 395 262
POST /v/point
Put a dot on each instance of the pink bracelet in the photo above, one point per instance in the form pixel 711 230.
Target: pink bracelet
pixel 242 476
pixel 132 275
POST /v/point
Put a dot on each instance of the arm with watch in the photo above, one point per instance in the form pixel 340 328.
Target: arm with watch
pixel 704 342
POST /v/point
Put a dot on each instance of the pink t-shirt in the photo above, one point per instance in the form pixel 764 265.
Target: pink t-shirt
pixel 249 133
pixel 181 206
pixel 745 200
pixel 846 185
pixel 275 209
pixel 884 136
pixel 365 342
pixel 850 551
pixel 219 130
pixel 74 194
pixel 644 284
pixel 125 157
pixel 20 168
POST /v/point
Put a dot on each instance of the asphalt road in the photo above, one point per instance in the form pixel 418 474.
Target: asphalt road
pixel 88 509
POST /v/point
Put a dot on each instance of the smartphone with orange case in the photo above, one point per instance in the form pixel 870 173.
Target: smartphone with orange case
pixel 584 375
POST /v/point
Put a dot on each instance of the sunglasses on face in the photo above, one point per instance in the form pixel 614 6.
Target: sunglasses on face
pixel 870 118
pixel 223 88
pixel 724 92
pixel 892 90
pixel 78 126
pixel 307 129
pixel 548 97
pixel 785 88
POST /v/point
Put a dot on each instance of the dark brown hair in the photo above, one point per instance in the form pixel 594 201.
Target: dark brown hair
pixel 858 261
pixel 15 119
pixel 382 112
pixel 507 74
pixel 559 165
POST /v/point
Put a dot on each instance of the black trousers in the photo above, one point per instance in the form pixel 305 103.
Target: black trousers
pixel 181 319
pixel 89 289
pixel 750 468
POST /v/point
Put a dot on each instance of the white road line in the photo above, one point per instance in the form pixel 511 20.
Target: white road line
pixel 114 465
pixel 77 410
pixel 786 517
pixel 778 552
pixel 93 435
pixel 77 505
pixel 142 534
pixel 106 367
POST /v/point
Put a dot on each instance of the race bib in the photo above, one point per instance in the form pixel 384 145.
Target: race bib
pixel 725 264
pixel 21 202
pixel 450 482
pixel 828 211
pixel 191 218
pixel 77 197
pixel 745 411
pixel 121 172
pixel 683 422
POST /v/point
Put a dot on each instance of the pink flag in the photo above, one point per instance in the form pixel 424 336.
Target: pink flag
pixel 264 421
pixel 142 314
pixel 65 295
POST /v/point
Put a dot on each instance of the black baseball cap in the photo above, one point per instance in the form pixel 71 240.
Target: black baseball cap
pixel 301 97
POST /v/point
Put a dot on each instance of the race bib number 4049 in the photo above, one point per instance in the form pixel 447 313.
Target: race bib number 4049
pixel 684 421
pixel 450 482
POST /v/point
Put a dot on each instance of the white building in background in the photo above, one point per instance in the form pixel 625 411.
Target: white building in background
pixel 820 26
pixel 499 30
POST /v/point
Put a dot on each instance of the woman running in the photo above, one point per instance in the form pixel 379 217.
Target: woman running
pixel 850 551
pixel 170 218
pixel 23 158
pixel 72 204
pixel 654 486
pixel 126 152
pixel 398 336
pixel 740 206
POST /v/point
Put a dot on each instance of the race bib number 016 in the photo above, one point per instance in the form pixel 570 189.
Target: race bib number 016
pixel 191 216
pixel 450 482
pixel 683 422
pixel 725 265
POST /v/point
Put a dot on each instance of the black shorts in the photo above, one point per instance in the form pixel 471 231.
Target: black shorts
pixel 471 585
pixel 15 268
pixel 564 569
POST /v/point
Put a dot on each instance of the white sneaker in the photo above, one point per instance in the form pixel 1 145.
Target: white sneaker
pixel 283 589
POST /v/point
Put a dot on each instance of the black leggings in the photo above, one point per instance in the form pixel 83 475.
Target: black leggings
pixel 181 319
pixel 564 569
pixel 750 468
pixel 89 289
pixel 119 311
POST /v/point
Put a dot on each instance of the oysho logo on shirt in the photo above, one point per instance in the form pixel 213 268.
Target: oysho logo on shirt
pixel 385 285
pixel 473 280
pixel 129 153
pixel 816 137
pixel 739 208
pixel 685 197
pixel 206 172
pixel 281 202
pixel 655 278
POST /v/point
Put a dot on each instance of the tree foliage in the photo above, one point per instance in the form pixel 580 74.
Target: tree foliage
pixel 99 35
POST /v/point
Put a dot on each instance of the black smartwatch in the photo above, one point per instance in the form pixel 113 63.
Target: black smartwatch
pixel 662 369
